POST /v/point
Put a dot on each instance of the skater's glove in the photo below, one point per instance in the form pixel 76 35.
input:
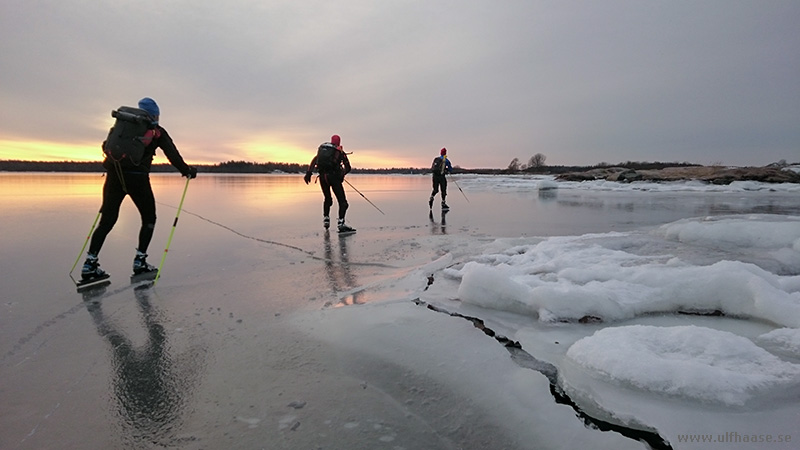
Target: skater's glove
pixel 191 172
pixel 307 178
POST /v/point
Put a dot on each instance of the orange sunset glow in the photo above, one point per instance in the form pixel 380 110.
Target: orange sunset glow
pixel 260 151
pixel 49 151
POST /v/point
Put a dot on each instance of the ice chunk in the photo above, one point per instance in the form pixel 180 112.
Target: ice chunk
pixel 687 361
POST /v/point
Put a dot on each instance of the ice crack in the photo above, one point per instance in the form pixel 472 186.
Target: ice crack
pixel 645 434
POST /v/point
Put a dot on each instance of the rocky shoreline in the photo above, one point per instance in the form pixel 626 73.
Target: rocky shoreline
pixel 709 174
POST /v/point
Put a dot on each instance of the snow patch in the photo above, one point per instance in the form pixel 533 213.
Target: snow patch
pixel 784 341
pixel 687 361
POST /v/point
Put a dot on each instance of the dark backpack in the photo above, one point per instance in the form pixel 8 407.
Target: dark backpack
pixel 438 166
pixel 327 161
pixel 129 136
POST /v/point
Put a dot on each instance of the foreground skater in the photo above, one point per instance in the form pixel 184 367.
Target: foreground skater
pixel 129 150
pixel 332 164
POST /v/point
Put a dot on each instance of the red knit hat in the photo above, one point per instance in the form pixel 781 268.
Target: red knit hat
pixel 336 140
pixel 443 152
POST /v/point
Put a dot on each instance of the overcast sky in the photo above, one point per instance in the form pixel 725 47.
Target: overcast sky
pixel 581 82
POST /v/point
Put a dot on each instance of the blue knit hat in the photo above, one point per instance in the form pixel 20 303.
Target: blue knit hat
pixel 149 105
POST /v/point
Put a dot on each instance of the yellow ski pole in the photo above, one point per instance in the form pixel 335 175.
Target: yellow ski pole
pixel 84 244
pixel 172 232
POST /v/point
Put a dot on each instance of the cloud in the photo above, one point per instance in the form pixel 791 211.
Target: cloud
pixel 579 81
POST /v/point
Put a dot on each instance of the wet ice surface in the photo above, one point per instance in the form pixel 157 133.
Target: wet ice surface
pixel 265 332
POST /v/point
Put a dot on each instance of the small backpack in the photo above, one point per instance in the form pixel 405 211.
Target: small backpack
pixel 438 165
pixel 326 158
pixel 129 136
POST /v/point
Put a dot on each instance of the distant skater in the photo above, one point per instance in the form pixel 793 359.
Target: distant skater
pixel 332 164
pixel 440 167
pixel 126 176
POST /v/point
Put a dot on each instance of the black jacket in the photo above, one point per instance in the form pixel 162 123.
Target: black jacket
pixel 158 139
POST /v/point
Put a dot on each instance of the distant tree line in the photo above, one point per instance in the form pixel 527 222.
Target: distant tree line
pixel 251 167
pixel 224 167
pixel 271 167
pixel 50 166
pixel 534 165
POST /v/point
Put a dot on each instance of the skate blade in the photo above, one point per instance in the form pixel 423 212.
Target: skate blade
pixel 346 233
pixel 146 276
pixel 96 283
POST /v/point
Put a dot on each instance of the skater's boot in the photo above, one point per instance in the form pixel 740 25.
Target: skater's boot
pixel 91 268
pixel 140 264
pixel 326 222
pixel 344 228
pixel 430 203
pixel 444 206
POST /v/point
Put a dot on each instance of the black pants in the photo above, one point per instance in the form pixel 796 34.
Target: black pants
pixel 138 187
pixel 332 182
pixel 439 182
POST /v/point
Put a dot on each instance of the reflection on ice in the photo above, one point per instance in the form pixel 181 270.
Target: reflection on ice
pixel 151 385
pixel 438 227
pixel 341 278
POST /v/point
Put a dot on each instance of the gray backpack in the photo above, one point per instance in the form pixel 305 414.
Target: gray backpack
pixel 129 136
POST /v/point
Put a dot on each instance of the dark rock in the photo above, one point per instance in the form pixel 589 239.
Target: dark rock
pixel 626 176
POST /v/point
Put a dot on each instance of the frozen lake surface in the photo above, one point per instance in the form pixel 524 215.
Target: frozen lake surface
pixel 535 314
